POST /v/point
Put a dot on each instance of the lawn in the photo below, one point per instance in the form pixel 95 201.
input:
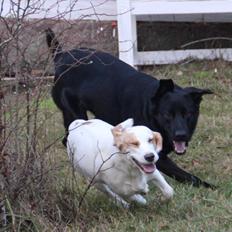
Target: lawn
pixel 209 156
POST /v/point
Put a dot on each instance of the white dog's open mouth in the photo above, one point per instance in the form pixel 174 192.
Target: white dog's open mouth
pixel 179 146
pixel 147 168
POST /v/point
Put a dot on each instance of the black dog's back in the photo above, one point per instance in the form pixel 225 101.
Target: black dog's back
pixel 99 81
pixel 87 61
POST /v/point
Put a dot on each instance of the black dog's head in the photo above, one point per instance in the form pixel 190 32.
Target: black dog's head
pixel 176 112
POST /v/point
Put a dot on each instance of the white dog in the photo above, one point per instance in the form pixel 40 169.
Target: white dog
pixel 119 160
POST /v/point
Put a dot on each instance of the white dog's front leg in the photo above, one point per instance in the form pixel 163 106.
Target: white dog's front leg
pixel 118 200
pixel 157 178
pixel 139 199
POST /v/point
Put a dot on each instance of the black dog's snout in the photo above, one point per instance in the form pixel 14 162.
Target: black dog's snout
pixel 149 157
pixel 180 135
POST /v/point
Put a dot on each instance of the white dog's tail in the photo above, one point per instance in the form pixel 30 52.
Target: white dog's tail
pixel 75 124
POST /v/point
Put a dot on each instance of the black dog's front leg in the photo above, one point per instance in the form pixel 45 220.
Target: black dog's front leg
pixel 168 167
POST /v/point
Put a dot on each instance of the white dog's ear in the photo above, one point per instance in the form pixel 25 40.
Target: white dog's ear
pixel 127 123
pixel 158 141
pixel 117 132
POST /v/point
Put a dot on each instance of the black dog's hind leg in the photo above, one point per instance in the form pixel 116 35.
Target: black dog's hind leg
pixel 68 119
pixel 72 110
pixel 168 167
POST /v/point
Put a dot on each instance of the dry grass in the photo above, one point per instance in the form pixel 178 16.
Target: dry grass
pixel 50 191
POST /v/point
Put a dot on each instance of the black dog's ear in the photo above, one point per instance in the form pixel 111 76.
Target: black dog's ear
pixel 165 85
pixel 197 94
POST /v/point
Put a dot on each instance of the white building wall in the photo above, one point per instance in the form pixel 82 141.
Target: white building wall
pixel 67 9
pixel 103 10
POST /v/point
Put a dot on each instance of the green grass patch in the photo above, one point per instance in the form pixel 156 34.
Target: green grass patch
pixel 209 156
pixel 47 103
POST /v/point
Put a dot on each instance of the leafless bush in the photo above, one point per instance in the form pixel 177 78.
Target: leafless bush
pixel 36 191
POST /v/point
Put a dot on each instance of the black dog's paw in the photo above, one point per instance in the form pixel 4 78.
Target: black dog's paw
pixel 211 186
pixel 198 182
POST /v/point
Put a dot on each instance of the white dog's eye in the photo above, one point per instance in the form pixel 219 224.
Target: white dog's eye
pixel 135 143
pixel 150 140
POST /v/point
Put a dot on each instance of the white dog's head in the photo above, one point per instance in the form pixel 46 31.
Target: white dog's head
pixel 139 142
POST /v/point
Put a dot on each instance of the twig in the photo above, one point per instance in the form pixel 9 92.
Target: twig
pixel 11 213
pixel 204 40
pixel 3 220
pixel 92 180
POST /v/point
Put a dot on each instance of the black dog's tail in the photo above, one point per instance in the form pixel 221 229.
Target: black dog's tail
pixel 52 42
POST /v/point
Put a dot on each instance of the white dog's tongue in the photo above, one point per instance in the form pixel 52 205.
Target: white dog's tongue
pixel 180 146
pixel 148 168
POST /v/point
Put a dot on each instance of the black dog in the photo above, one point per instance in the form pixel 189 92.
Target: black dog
pixel 90 80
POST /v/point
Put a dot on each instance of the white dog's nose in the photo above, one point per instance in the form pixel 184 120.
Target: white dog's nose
pixel 149 157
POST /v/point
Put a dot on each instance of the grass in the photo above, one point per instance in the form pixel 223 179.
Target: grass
pixel 209 156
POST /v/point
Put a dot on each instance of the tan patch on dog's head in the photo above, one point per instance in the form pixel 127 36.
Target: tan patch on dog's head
pixel 123 139
pixel 157 141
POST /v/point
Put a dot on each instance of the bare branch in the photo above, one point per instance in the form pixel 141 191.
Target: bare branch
pixel 205 40
pixel 91 183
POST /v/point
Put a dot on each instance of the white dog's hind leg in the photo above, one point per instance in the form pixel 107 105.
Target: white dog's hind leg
pixel 139 199
pixel 117 199
pixel 162 184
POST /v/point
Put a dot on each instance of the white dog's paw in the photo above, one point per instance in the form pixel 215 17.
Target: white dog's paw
pixel 125 205
pixel 168 193
pixel 122 203
pixel 139 199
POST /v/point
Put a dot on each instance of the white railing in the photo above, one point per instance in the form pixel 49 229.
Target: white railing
pixel 129 11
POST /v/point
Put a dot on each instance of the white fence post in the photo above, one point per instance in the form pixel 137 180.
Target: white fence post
pixel 127 33
pixel 158 10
